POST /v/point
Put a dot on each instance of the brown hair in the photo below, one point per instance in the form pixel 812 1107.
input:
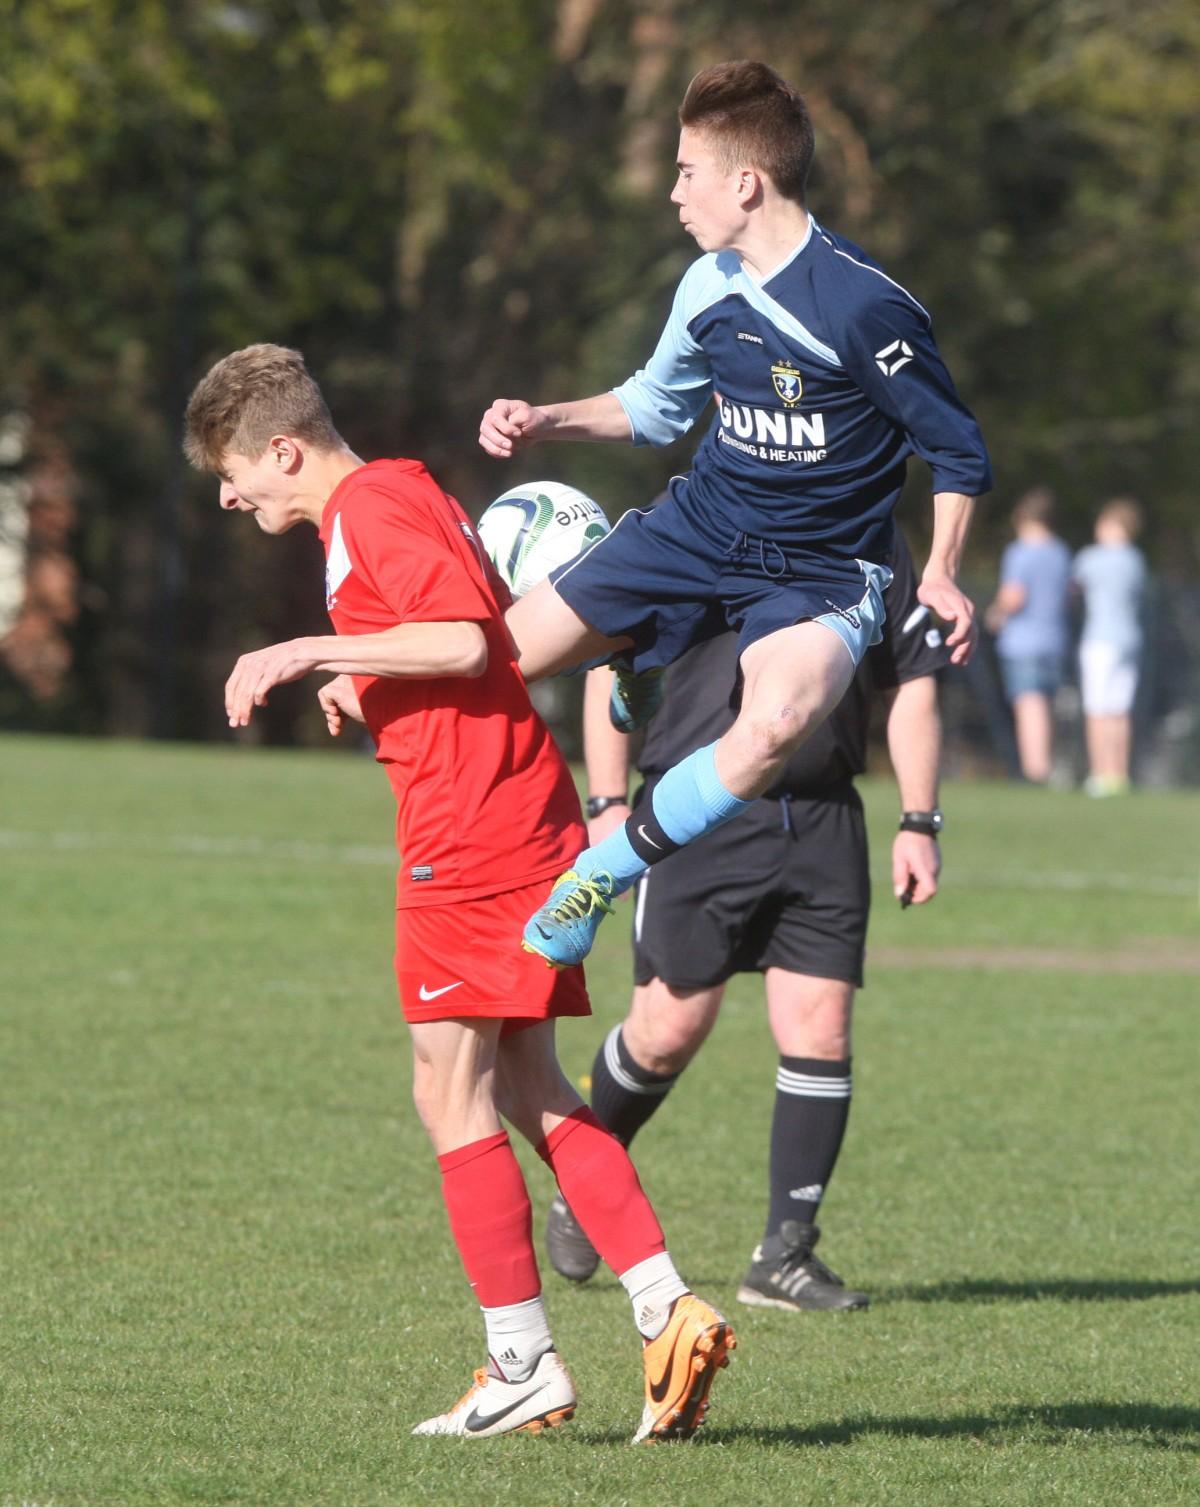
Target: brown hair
pixel 754 118
pixel 1036 506
pixel 1125 512
pixel 251 395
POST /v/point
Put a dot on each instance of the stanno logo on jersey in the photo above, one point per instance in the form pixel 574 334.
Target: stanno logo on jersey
pixel 787 383
pixel 892 357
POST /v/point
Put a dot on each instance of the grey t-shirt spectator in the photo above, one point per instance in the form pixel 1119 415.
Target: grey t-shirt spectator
pixel 1040 627
pixel 1113 580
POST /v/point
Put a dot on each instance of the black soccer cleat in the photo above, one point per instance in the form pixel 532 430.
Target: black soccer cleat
pixel 793 1277
pixel 571 1253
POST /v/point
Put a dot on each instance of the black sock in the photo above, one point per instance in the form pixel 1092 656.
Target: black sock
pixel 812 1104
pixel 624 1094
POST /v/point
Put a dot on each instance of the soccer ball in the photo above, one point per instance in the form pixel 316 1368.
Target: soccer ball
pixel 532 528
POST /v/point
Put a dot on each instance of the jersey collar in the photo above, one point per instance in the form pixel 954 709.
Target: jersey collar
pixel 788 259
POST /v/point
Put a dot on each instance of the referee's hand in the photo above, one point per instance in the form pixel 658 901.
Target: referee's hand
pixel 944 597
pixel 916 864
pixel 609 820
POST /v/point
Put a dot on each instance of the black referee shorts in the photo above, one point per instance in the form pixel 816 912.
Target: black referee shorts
pixel 785 884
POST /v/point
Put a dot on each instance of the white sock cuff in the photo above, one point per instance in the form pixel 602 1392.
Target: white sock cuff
pixel 514 1315
pixel 517 1333
pixel 649 1273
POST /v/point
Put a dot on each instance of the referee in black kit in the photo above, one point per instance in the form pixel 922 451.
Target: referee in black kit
pixel 781 890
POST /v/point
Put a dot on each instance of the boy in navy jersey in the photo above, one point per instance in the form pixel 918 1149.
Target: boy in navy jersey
pixel 826 378
pixel 784 890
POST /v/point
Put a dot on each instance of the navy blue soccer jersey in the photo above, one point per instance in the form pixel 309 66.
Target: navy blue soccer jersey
pixel 826 377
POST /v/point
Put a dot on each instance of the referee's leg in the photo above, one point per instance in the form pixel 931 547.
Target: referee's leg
pixel 810 1020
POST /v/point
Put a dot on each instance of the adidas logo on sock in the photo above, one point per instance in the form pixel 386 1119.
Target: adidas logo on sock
pixel 647 1315
pixel 509 1357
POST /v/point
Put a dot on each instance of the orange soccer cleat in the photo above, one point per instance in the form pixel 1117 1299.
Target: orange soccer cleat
pixel 681 1365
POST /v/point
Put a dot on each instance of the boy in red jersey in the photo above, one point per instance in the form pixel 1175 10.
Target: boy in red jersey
pixel 486 813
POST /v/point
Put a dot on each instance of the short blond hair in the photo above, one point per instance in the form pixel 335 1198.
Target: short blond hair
pixel 248 397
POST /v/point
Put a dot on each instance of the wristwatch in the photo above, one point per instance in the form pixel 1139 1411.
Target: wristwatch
pixel 929 823
pixel 595 804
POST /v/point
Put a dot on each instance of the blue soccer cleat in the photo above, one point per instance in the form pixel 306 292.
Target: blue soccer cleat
pixel 564 929
pixel 635 698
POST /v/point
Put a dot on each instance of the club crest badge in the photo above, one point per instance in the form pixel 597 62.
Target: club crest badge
pixel 787 383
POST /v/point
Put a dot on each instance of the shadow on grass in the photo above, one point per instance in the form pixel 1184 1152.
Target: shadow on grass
pixel 1072 1289
pixel 1146 1424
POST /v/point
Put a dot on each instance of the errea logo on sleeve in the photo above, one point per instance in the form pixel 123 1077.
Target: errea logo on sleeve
pixel 892 357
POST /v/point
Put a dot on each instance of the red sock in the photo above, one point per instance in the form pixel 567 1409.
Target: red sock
pixel 491 1220
pixel 598 1181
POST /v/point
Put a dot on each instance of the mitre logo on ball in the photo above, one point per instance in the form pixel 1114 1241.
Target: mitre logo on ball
pixel 532 529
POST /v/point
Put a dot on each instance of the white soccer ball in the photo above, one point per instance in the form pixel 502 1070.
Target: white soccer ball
pixel 530 529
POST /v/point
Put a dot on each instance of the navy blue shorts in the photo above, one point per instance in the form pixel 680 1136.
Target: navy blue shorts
pixel 663 581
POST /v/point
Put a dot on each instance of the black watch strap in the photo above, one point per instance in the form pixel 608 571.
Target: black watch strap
pixel 928 823
pixel 595 804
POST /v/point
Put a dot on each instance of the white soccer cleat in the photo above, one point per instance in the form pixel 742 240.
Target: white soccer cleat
pixel 492 1406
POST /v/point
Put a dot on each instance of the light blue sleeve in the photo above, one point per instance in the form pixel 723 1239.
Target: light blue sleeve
pixel 1013 565
pixel 666 397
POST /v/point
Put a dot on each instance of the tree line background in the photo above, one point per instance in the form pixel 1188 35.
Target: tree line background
pixel 441 203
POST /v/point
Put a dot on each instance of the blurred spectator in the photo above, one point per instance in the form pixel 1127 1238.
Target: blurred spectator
pixel 1111 574
pixel 1029 618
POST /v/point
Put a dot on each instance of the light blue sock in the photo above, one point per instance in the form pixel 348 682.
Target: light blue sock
pixel 688 801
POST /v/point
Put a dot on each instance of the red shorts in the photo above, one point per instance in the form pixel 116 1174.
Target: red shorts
pixel 466 959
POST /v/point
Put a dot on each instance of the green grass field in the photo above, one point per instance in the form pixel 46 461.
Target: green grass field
pixel 225 1271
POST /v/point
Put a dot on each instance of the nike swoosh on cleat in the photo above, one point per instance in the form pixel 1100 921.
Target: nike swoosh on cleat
pixel 433 993
pixel 542 932
pixel 478 1421
pixel 660 1388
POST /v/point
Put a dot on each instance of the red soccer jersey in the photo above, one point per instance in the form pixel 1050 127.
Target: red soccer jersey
pixel 486 802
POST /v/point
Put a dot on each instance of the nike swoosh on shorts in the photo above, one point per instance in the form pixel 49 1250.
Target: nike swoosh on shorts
pixel 433 993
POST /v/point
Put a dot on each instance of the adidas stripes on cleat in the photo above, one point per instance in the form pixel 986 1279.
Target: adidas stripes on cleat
pixel 681 1365
pixel 493 1406
pixel 792 1277
pixel 563 930
pixel 635 698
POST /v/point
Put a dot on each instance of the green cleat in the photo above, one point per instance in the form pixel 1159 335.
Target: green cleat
pixel 635 698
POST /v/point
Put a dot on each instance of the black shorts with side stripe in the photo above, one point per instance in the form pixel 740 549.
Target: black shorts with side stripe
pixel 785 884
